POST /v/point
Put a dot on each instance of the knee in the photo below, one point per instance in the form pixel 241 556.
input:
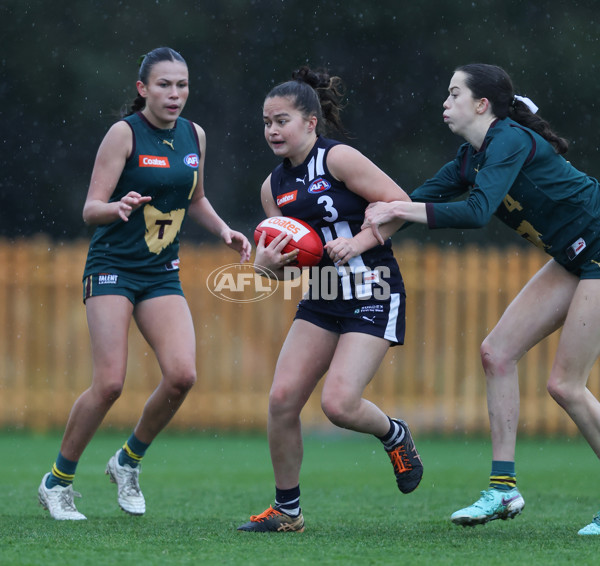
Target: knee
pixel 181 379
pixel 338 408
pixel 109 391
pixel 277 401
pixel 495 361
pixel 562 391
pixel 184 381
pixel 282 404
pixel 557 391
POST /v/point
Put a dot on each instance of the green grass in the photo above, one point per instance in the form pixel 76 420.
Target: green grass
pixel 199 488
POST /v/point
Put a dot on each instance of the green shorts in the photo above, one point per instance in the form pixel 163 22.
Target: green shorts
pixel 590 269
pixel 136 288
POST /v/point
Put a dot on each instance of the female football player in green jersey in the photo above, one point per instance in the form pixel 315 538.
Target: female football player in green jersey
pixel 147 176
pixel 512 167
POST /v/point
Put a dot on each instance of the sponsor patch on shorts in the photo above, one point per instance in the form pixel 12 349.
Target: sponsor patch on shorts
pixel 172 265
pixel 575 248
pixel 107 279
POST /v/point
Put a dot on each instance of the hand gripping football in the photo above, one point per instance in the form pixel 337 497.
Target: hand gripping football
pixel 304 238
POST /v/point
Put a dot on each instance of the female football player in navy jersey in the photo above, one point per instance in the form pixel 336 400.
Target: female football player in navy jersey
pixel 512 166
pixel 345 330
pixel 147 176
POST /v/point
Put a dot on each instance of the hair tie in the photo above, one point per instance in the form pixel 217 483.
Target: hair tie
pixel 141 59
pixel 527 102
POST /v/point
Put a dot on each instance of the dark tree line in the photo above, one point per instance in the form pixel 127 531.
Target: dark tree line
pixel 67 68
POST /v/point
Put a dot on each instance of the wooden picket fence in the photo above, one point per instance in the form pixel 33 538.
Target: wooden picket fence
pixel 434 381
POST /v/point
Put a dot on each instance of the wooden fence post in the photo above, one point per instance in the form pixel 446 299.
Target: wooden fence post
pixel 454 298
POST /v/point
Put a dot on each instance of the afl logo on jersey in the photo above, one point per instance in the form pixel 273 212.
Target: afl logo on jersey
pixel 319 185
pixel 191 160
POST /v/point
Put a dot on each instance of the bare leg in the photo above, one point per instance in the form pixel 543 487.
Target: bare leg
pixel 108 320
pixel 308 352
pixel 303 360
pixel 356 359
pixel 578 349
pixel 537 311
pixel 166 323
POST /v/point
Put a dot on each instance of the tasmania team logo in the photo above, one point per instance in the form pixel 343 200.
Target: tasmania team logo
pixel 319 185
pixel 191 160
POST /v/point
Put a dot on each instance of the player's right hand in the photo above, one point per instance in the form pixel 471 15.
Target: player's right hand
pixel 129 203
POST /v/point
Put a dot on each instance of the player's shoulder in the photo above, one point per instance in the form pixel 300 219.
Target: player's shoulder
pixel 119 135
pixel 121 127
pixel 266 186
pixel 343 151
pixel 199 129
pixel 344 161
pixel 325 144
pixel 507 129
pixel 510 135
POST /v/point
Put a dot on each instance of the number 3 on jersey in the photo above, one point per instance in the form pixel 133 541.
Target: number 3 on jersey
pixel 327 202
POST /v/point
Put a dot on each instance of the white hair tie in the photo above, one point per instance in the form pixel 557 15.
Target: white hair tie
pixel 528 102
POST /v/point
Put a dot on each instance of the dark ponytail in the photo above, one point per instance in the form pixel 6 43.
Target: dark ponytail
pixel 520 112
pixel 493 83
pixel 315 93
pixel 147 62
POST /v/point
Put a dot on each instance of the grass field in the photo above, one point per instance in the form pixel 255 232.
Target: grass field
pixel 199 488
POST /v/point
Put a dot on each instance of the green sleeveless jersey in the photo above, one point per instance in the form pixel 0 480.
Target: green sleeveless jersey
pixel 164 165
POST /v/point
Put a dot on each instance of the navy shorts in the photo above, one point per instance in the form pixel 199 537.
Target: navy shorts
pixel 381 318
pixel 136 288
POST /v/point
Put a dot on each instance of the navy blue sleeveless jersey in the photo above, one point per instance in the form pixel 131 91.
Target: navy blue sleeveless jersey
pixel 164 165
pixel 309 192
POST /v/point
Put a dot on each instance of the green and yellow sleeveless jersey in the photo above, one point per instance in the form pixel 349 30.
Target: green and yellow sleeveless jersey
pixel 164 165
pixel 517 176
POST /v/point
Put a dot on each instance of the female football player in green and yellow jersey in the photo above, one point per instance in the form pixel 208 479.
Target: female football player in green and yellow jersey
pixel 147 176
pixel 512 167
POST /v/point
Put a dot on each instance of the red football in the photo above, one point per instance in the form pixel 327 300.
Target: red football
pixel 304 238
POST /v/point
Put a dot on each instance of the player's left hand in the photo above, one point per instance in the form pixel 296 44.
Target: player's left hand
pixel 341 250
pixel 376 214
pixel 238 242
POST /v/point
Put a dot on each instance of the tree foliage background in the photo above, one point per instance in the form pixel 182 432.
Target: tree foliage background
pixel 68 67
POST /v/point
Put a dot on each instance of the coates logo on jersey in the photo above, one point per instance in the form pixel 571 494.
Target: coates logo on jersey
pixel 286 198
pixel 319 185
pixel 191 160
pixel 154 161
